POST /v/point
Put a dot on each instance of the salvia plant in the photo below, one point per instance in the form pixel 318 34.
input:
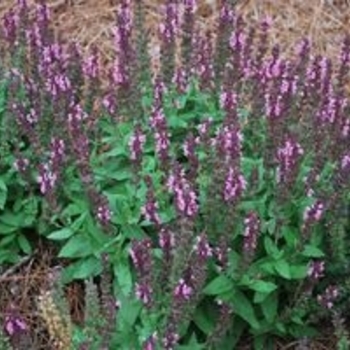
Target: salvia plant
pixel 205 204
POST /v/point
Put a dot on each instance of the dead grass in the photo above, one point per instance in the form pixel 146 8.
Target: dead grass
pixel 323 21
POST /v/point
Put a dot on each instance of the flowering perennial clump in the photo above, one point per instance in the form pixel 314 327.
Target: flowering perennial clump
pixel 200 194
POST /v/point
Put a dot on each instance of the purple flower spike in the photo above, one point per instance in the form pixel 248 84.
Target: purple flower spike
pixel 21 164
pixel 170 338
pixel 14 323
pixel 288 157
pixel 182 290
pixel 166 241
pixel 251 233
pixel 10 23
pixel 150 343
pixel 185 196
pixel 328 297
pixel 150 209
pixel 141 256
pixel 136 144
pixel 202 247
pixel 314 212
pixel 91 66
pixel 316 270
pixel 104 214
pixel 46 179
pixel 234 186
pixel 144 293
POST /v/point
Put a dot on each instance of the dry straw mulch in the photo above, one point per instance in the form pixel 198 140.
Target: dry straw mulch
pixel 323 21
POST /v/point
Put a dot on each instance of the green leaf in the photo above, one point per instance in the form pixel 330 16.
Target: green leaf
pixel 61 234
pixel 77 247
pixel 260 342
pixel 219 285
pixel 129 311
pixel 270 226
pixel 74 209
pixel 263 286
pixel 7 240
pixel 8 256
pixel 283 269
pixel 312 252
pixel 300 331
pixel 6 229
pixel 3 194
pixel 268 266
pixel 234 336
pixel 271 248
pixel 298 271
pixel 204 319
pixel 82 269
pixel 133 232
pixel 259 297
pixel 242 307
pixel 24 244
pixel 124 277
pixel 77 224
pixel 120 207
pixel 269 307
pixel 291 236
pixel 10 219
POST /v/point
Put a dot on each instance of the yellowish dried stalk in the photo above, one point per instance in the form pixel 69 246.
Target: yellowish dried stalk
pixel 58 325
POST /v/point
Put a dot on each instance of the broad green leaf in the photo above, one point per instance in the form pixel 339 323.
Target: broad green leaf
pixel 297 319
pixel 24 244
pixel 10 219
pixel 77 247
pixel 281 327
pixel 259 297
pixel 76 208
pixel 218 286
pixel 30 211
pixel 95 233
pixel 6 229
pixel 270 226
pixel 3 194
pixel 234 336
pixel 283 269
pixel 312 252
pixel 7 239
pixel 58 235
pixel 260 342
pixel 242 307
pixel 291 236
pixel 269 307
pixel 8 256
pixel 124 277
pixel 129 311
pixel 120 207
pixel 82 269
pixel 298 271
pixel 301 331
pixel 204 319
pixel 77 224
pixel 263 286
pixel 133 231
pixel 271 248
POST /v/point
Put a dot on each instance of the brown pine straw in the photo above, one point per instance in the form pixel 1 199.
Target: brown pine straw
pixel 324 22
